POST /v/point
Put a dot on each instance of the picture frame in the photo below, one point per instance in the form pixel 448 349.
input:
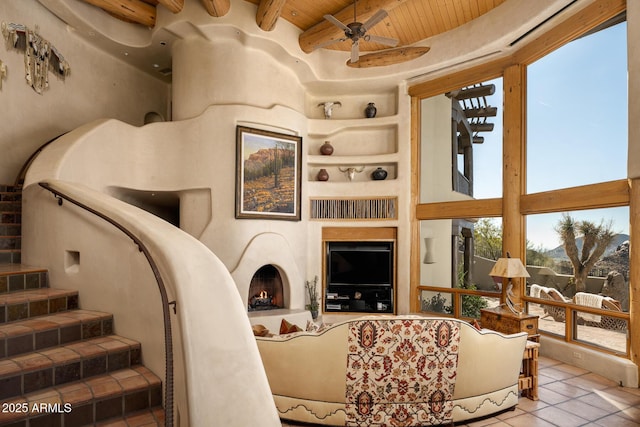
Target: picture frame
pixel 268 174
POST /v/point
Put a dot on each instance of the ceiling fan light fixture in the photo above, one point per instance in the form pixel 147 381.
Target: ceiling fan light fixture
pixel 355 31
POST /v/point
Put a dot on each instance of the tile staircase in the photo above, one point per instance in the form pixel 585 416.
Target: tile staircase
pixel 61 365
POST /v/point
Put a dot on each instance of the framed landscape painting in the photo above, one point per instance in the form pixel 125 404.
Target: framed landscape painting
pixel 268 174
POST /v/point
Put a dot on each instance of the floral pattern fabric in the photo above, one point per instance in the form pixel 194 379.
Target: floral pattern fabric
pixel 401 372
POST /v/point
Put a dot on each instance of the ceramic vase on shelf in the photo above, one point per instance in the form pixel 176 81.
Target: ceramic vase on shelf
pixel 323 175
pixel 370 111
pixel 379 174
pixel 326 149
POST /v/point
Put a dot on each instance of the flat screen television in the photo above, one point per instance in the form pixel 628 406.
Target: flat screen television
pixel 360 264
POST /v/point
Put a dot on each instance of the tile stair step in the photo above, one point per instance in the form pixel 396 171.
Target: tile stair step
pixel 149 417
pixel 10 217
pixel 10 205
pixel 10 242
pixel 10 196
pixel 10 229
pixel 88 401
pixel 21 305
pixel 8 187
pixel 18 277
pixel 48 331
pixel 10 256
pixel 56 366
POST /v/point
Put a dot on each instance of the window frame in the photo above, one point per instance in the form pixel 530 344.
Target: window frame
pixel 515 203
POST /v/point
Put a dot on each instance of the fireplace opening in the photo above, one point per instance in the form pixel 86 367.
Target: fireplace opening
pixel 265 289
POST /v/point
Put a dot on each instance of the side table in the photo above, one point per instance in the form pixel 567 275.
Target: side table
pixel 503 320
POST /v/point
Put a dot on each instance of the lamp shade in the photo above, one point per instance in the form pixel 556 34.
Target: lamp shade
pixel 509 268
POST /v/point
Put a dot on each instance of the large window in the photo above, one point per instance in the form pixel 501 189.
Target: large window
pixel 559 193
pixel 577 136
pixel 577 113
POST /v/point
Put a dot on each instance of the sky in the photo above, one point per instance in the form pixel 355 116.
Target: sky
pixel 576 129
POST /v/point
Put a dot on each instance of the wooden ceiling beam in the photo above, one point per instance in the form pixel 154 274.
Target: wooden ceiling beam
pixel 128 10
pixel 217 8
pixel 325 31
pixel 268 13
pixel 174 6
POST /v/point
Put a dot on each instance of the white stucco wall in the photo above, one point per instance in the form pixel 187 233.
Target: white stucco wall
pixel 99 86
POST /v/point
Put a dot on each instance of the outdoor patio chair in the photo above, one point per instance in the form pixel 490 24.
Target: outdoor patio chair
pixel 557 313
pixel 608 322
pixel 600 321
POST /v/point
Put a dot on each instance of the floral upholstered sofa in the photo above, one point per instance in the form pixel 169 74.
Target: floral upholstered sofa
pixel 393 370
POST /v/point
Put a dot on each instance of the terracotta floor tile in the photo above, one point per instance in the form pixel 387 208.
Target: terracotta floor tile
pixel 134 383
pixel 116 423
pixel 87 349
pixel 60 319
pixel 566 389
pixel 550 396
pixel 32 361
pixel 14 412
pixel 39 324
pixel 583 409
pixel 591 382
pixel 123 374
pixel 60 355
pixel 104 387
pixel 46 396
pixel 76 393
pixel 8 367
pixel 111 344
pixel 14 330
pixel 571 370
pixel 529 420
pixel 617 421
pixel 624 399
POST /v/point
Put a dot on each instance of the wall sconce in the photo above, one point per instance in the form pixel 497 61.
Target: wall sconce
pixel 509 268
pixel 430 250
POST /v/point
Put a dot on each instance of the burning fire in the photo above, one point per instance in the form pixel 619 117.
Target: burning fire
pixel 264 294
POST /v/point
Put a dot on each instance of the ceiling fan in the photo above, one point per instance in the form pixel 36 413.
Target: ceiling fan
pixel 355 31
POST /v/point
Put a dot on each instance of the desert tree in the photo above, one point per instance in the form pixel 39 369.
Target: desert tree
pixel 595 239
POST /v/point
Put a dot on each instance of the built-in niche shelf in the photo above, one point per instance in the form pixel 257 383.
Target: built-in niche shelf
pixel 353 105
pixel 363 172
pixel 328 127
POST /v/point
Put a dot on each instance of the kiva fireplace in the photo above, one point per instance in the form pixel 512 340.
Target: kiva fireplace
pixel 265 289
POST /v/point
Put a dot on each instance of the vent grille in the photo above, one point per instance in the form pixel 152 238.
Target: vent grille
pixel 379 208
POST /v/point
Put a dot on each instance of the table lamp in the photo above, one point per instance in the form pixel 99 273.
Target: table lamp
pixel 509 268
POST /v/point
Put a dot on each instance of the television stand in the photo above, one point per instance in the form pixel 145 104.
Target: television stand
pixel 359 266
pixel 359 299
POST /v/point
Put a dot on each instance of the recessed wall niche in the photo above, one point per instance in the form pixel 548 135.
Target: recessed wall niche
pixel 71 261
pixel 163 204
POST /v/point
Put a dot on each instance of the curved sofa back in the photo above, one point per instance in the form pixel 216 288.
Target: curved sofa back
pixel 312 366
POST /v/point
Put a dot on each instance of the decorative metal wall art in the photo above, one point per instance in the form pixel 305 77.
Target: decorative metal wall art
pixel 40 56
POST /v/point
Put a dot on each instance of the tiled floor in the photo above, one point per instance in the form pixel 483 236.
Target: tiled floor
pixel 569 397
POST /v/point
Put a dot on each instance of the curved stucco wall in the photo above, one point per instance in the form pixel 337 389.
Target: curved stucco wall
pixel 216 354
pixel 224 71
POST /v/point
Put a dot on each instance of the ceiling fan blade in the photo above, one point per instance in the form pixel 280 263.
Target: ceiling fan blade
pixel 355 51
pixel 382 40
pixel 389 57
pixel 377 17
pixel 337 23
pixel 328 43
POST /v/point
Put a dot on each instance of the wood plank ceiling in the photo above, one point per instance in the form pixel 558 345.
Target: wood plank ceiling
pixel 408 21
